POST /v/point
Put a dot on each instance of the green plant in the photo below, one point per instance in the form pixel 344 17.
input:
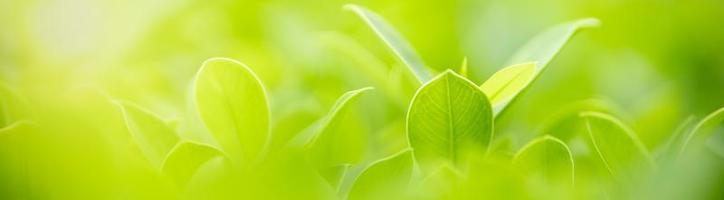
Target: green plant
pixel 449 146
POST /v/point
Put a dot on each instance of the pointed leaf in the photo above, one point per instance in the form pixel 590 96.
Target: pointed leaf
pixel 232 103
pixel 703 130
pixel 340 138
pixel 152 135
pixel 186 158
pixel 542 48
pixel 447 117
pixel 547 158
pixel 506 83
pixel 394 40
pixel 384 179
pixel 617 146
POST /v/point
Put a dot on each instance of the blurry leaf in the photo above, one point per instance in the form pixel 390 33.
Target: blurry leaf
pixel 439 183
pixel 152 135
pixel 447 117
pixel 12 107
pixel 565 124
pixel 704 129
pixel 506 83
pixel 548 158
pixel 384 179
pixel 212 180
pixel 618 147
pixel 334 175
pixel 541 49
pixel 338 139
pixel 394 41
pixel 16 145
pixel 232 103
pixel 185 159
pixel 464 67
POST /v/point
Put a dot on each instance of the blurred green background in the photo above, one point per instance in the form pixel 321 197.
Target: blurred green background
pixel 658 62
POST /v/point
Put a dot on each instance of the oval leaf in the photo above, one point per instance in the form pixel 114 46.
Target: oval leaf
pixel 703 130
pixel 186 158
pixel 448 116
pixel 541 49
pixel 384 179
pixel 618 147
pixel 152 135
pixel 547 158
pixel 394 40
pixel 232 103
pixel 506 83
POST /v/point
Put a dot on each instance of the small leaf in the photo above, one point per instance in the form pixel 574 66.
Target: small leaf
pixel 152 135
pixel 384 179
pixel 703 130
pixel 232 103
pixel 186 158
pixel 339 138
pixel 542 48
pixel 396 42
pixel 618 147
pixel 548 158
pixel 447 117
pixel 506 83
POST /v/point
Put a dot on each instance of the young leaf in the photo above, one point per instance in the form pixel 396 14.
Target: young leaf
pixel 506 83
pixel 339 139
pixel 384 179
pixel 548 158
pixel 396 42
pixel 152 135
pixel 185 159
pixel 541 50
pixel 704 129
pixel 448 116
pixel 232 103
pixel 618 147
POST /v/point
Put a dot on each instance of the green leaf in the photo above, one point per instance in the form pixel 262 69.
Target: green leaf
pixel 152 135
pixel 339 138
pixel 547 158
pixel 186 158
pixel 12 107
pixel 464 68
pixel 505 84
pixel 394 40
pixel 541 49
pixel 703 130
pixel 384 179
pixel 232 103
pixel 335 175
pixel 617 146
pixel 447 117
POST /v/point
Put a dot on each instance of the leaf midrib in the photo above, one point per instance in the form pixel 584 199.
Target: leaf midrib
pixel 451 133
